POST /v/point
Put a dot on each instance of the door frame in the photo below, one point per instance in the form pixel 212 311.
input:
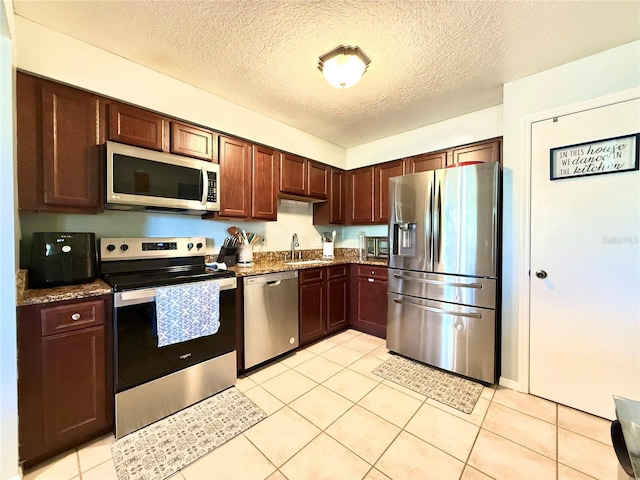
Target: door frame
pixel 526 126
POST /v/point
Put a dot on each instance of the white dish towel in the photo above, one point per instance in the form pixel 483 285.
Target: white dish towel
pixel 187 311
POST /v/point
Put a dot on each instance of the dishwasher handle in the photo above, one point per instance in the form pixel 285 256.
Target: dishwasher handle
pixel 274 283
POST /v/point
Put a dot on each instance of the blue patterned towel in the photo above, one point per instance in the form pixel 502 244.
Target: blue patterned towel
pixel 185 312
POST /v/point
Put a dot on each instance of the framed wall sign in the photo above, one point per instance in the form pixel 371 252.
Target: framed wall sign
pixel 611 155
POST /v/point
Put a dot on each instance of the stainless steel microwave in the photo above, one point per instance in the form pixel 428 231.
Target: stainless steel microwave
pixel 141 179
pixel 377 247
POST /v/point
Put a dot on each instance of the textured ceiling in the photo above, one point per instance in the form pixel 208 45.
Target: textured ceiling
pixel 431 60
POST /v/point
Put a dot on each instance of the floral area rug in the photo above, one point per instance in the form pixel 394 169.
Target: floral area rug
pixel 167 446
pixel 454 391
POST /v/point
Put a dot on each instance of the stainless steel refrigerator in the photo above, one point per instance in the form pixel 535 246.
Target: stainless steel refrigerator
pixel 443 290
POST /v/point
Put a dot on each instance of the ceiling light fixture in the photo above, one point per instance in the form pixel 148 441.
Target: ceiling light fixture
pixel 343 66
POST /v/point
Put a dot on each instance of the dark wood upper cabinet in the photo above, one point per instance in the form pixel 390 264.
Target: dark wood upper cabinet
pixel 382 173
pixel 318 181
pixel 194 142
pixel 265 174
pixel 135 126
pixel 369 299
pixel 360 196
pixel 332 211
pixel 293 174
pixel 235 177
pixel 487 151
pixel 65 375
pixel 58 133
pixel 425 162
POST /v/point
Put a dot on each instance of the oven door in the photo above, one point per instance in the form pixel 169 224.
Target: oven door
pixel 138 359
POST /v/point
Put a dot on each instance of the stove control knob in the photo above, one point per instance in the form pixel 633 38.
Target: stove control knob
pixel 111 247
pixel 189 246
pixel 124 247
pixel 199 245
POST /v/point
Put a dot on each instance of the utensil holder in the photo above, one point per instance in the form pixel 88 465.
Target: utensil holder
pixel 245 256
pixel 327 250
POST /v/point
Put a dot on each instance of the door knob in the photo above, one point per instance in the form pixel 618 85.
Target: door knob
pixel 541 274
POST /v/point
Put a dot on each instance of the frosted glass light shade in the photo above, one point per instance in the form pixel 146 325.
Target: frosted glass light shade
pixel 343 66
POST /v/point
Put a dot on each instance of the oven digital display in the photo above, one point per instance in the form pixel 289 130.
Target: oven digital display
pixel 148 246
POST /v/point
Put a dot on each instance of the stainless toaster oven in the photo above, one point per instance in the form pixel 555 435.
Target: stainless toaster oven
pixel 377 248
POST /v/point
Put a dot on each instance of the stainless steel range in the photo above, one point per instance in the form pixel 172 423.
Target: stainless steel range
pixel 174 326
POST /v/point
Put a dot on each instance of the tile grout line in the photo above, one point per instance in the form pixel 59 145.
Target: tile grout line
pixel 466 463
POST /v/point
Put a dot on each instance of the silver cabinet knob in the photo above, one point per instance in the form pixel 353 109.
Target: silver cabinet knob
pixel 541 274
pixel 75 316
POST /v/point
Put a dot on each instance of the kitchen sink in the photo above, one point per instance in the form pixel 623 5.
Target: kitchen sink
pixel 306 262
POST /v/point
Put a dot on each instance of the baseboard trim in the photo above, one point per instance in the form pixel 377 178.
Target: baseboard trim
pixel 511 384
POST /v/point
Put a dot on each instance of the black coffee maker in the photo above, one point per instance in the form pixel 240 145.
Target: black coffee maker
pixel 61 258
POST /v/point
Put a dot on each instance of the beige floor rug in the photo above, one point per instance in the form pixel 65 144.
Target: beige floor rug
pixel 454 391
pixel 167 446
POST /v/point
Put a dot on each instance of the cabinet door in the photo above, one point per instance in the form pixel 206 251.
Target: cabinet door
pixel 369 301
pixel 74 384
pixel 360 191
pixel 293 174
pixel 425 162
pixel 489 151
pixel 194 142
pixel 265 177
pixel 312 313
pixel 235 178
pixel 332 211
pixel 135 126
pixel 311 293
pixel 382 174
pixel 337 298
pixel 70 137
pixel 318 180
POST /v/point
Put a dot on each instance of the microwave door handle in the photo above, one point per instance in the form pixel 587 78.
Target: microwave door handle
pixel 204 182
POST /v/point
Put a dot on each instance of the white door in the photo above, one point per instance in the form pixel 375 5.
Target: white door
pixel 585 315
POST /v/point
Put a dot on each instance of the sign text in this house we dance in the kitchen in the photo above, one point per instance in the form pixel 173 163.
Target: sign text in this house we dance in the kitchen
pixel 611 155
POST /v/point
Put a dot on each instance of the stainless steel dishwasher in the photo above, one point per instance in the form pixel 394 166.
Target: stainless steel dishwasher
pixel 270 316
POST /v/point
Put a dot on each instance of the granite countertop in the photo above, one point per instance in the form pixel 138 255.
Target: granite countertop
pixel 264 262
pixel 27 296
pixel 263 267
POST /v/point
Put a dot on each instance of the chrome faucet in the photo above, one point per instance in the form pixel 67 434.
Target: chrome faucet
pixel 294 244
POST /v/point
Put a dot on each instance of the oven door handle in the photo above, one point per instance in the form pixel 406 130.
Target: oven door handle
pixel 134 297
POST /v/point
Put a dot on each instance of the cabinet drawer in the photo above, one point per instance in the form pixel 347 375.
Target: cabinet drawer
pixel 310 275
pixel 379 273
pixel 337 271
pixel 71 317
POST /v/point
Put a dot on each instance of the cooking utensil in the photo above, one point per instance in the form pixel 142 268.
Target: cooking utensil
pixel 333 236
pixel 233 231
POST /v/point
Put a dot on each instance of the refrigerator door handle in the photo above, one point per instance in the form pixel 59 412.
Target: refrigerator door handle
pixel 437 282
pixel 429 225
pixel 439 310
pixel 436 225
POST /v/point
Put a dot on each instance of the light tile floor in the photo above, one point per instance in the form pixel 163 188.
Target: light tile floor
pixel 329 417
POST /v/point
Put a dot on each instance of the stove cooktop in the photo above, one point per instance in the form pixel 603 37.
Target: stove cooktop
pixel 135 280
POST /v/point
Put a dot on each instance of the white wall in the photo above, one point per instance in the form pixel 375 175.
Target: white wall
pixel 607 72
pixel 8 368
pixel 60 57
pixel 461 130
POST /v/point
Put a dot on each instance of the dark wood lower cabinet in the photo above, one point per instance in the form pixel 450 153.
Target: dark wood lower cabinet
pixel 369 299
pixel 65 375
pixel 337 298
pixel 323 301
